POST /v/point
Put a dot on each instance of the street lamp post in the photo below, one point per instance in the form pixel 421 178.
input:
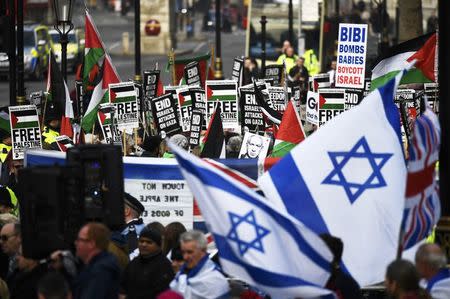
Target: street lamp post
pixel 137 41
pixel 291 23
pixel 263 22
pixel 218 74
pixel 63 13
pixel 20 100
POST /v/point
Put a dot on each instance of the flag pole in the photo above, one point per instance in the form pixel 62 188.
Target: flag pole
pixel 43 113
pixel 135 139
pixel 172 63
pixel 124 141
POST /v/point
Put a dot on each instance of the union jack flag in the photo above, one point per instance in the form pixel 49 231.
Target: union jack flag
pixel 422 207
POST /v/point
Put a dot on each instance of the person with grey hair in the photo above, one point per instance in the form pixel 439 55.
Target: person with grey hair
pixel 199 277
pixel 431 264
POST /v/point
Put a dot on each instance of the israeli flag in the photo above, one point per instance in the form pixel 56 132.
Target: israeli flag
pixel 348 180
pixel 258 244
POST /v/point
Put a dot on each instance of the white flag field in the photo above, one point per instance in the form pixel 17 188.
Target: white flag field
pixel 350 185
pixel 258 244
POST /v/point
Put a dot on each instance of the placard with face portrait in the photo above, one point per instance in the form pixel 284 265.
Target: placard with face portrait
pixel 254 146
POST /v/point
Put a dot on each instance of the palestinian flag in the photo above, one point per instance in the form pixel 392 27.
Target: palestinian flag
pixel 104 114
pixel 221 90
pixel 332 99
pixel 64 142
pixel 59 93
pixel 4 122
pixel 423 49
pixel 214 141
pixel 290 133
pixel 273 115
pixel 100 94
pixel 180 63
pixel 184 97
pixel 94 53
pixel 320 81
pixel 24 119
pixel 122 92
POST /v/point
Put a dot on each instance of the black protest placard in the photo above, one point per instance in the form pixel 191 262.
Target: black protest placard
pixel 252 118
pixel 407 96
pixel 192 74
pixel 277 98
pixel 184 108
pixel 238 69
pixel 198 98
pixel 165 115
pixel 275 72
pixel 353 97
pixel 367 83
pixel 293 93
pixel 197 119
pixel 432 95
pixel 79 107
pixel 139 95
pixel 151 81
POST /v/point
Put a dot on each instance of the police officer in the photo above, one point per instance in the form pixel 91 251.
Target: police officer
pixel 133 210
pixel 52 123
pixel 5 136
pixel 5 145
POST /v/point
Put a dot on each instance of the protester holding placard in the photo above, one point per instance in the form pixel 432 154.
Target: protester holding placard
pixel 299 73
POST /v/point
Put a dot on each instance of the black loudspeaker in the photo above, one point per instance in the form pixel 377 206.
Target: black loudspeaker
pixel 49 209
pixel 102 184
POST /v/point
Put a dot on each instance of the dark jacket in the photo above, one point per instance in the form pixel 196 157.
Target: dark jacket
pixel 146 277
pixel 23 285
pixel 99 279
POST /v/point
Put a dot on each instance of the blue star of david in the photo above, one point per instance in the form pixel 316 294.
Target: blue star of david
pixel 360 150
pixel 260 232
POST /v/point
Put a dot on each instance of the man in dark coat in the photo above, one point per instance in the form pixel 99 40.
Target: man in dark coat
pixel 100 276
pixel 24 280
pixel 151 272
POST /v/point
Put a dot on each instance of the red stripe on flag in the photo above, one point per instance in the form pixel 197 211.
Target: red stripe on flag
pixel 419 181
pixel 426 58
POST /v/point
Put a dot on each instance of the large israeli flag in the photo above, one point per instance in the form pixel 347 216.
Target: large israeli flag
pixel 348 179
pixel 258 244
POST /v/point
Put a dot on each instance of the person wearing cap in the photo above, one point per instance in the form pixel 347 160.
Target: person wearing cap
pixel 52 123
pixel 133 210
pixel 150 273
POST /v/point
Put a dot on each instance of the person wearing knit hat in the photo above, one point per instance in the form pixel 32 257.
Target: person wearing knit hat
pixel 133 210
pixel 150 273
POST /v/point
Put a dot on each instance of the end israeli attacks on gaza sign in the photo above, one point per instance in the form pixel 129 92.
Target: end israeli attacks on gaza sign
pixel 351 55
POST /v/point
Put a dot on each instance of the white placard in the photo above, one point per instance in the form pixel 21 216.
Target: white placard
pixel 351 55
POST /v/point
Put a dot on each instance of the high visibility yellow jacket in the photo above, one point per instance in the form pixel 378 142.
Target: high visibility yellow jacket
pixel 289 62
pixel 4 150
pixel 311 62
pixel 49 135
